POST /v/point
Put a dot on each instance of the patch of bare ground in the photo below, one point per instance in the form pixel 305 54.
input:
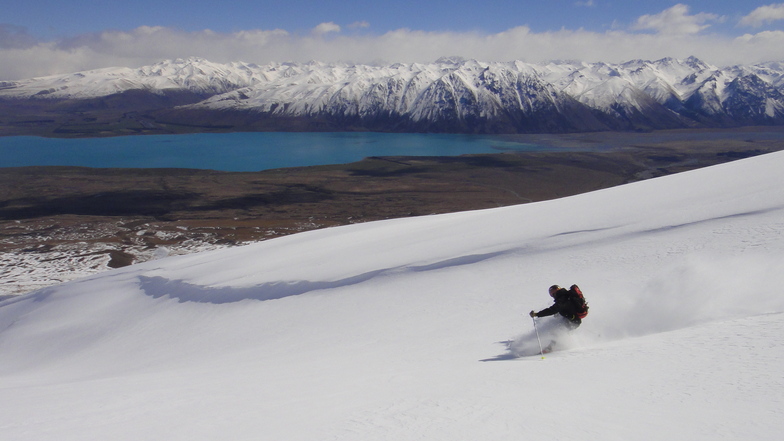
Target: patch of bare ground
pixel 59 223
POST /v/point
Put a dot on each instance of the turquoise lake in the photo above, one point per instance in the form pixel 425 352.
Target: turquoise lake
pixel 241 151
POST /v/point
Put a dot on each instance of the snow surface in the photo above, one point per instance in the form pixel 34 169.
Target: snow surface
pixel 414 328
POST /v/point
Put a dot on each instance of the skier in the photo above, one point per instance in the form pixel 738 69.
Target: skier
pixel 570 304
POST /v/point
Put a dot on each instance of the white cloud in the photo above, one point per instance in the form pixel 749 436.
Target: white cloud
pixel 676 21
pixel 325 28
pixel 763 15
pixel 147 45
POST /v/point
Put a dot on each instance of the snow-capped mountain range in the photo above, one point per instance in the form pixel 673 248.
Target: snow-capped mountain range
pixel 449 95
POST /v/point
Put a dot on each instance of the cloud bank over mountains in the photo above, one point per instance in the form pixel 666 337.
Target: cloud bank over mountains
pixel 763 15
pixel 675 32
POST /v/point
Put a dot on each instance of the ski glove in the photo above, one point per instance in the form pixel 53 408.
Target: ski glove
pixel 533 314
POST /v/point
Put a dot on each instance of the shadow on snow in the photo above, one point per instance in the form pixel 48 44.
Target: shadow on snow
pixel 186 292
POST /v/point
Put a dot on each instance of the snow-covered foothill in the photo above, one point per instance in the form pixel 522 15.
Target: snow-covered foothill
pixel 193 74
pixel 402 329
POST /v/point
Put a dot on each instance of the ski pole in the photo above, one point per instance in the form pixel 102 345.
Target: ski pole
pixel 541 351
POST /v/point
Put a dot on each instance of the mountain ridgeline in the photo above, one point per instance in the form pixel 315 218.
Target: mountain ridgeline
pixel 449 95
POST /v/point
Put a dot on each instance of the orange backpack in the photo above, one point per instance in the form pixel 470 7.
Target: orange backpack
pixel 578 300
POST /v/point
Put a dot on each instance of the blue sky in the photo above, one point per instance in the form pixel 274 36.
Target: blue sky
pixel 39 37
pixel 55 18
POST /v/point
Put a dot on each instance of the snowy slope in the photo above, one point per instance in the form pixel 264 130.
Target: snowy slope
pixel 193 74
pixel 452 95
pixel 401 329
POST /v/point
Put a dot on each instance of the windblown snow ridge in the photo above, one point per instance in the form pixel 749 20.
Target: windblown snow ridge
pixel 449 95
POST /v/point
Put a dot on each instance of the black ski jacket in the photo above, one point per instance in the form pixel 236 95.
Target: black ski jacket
pixel 563 305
